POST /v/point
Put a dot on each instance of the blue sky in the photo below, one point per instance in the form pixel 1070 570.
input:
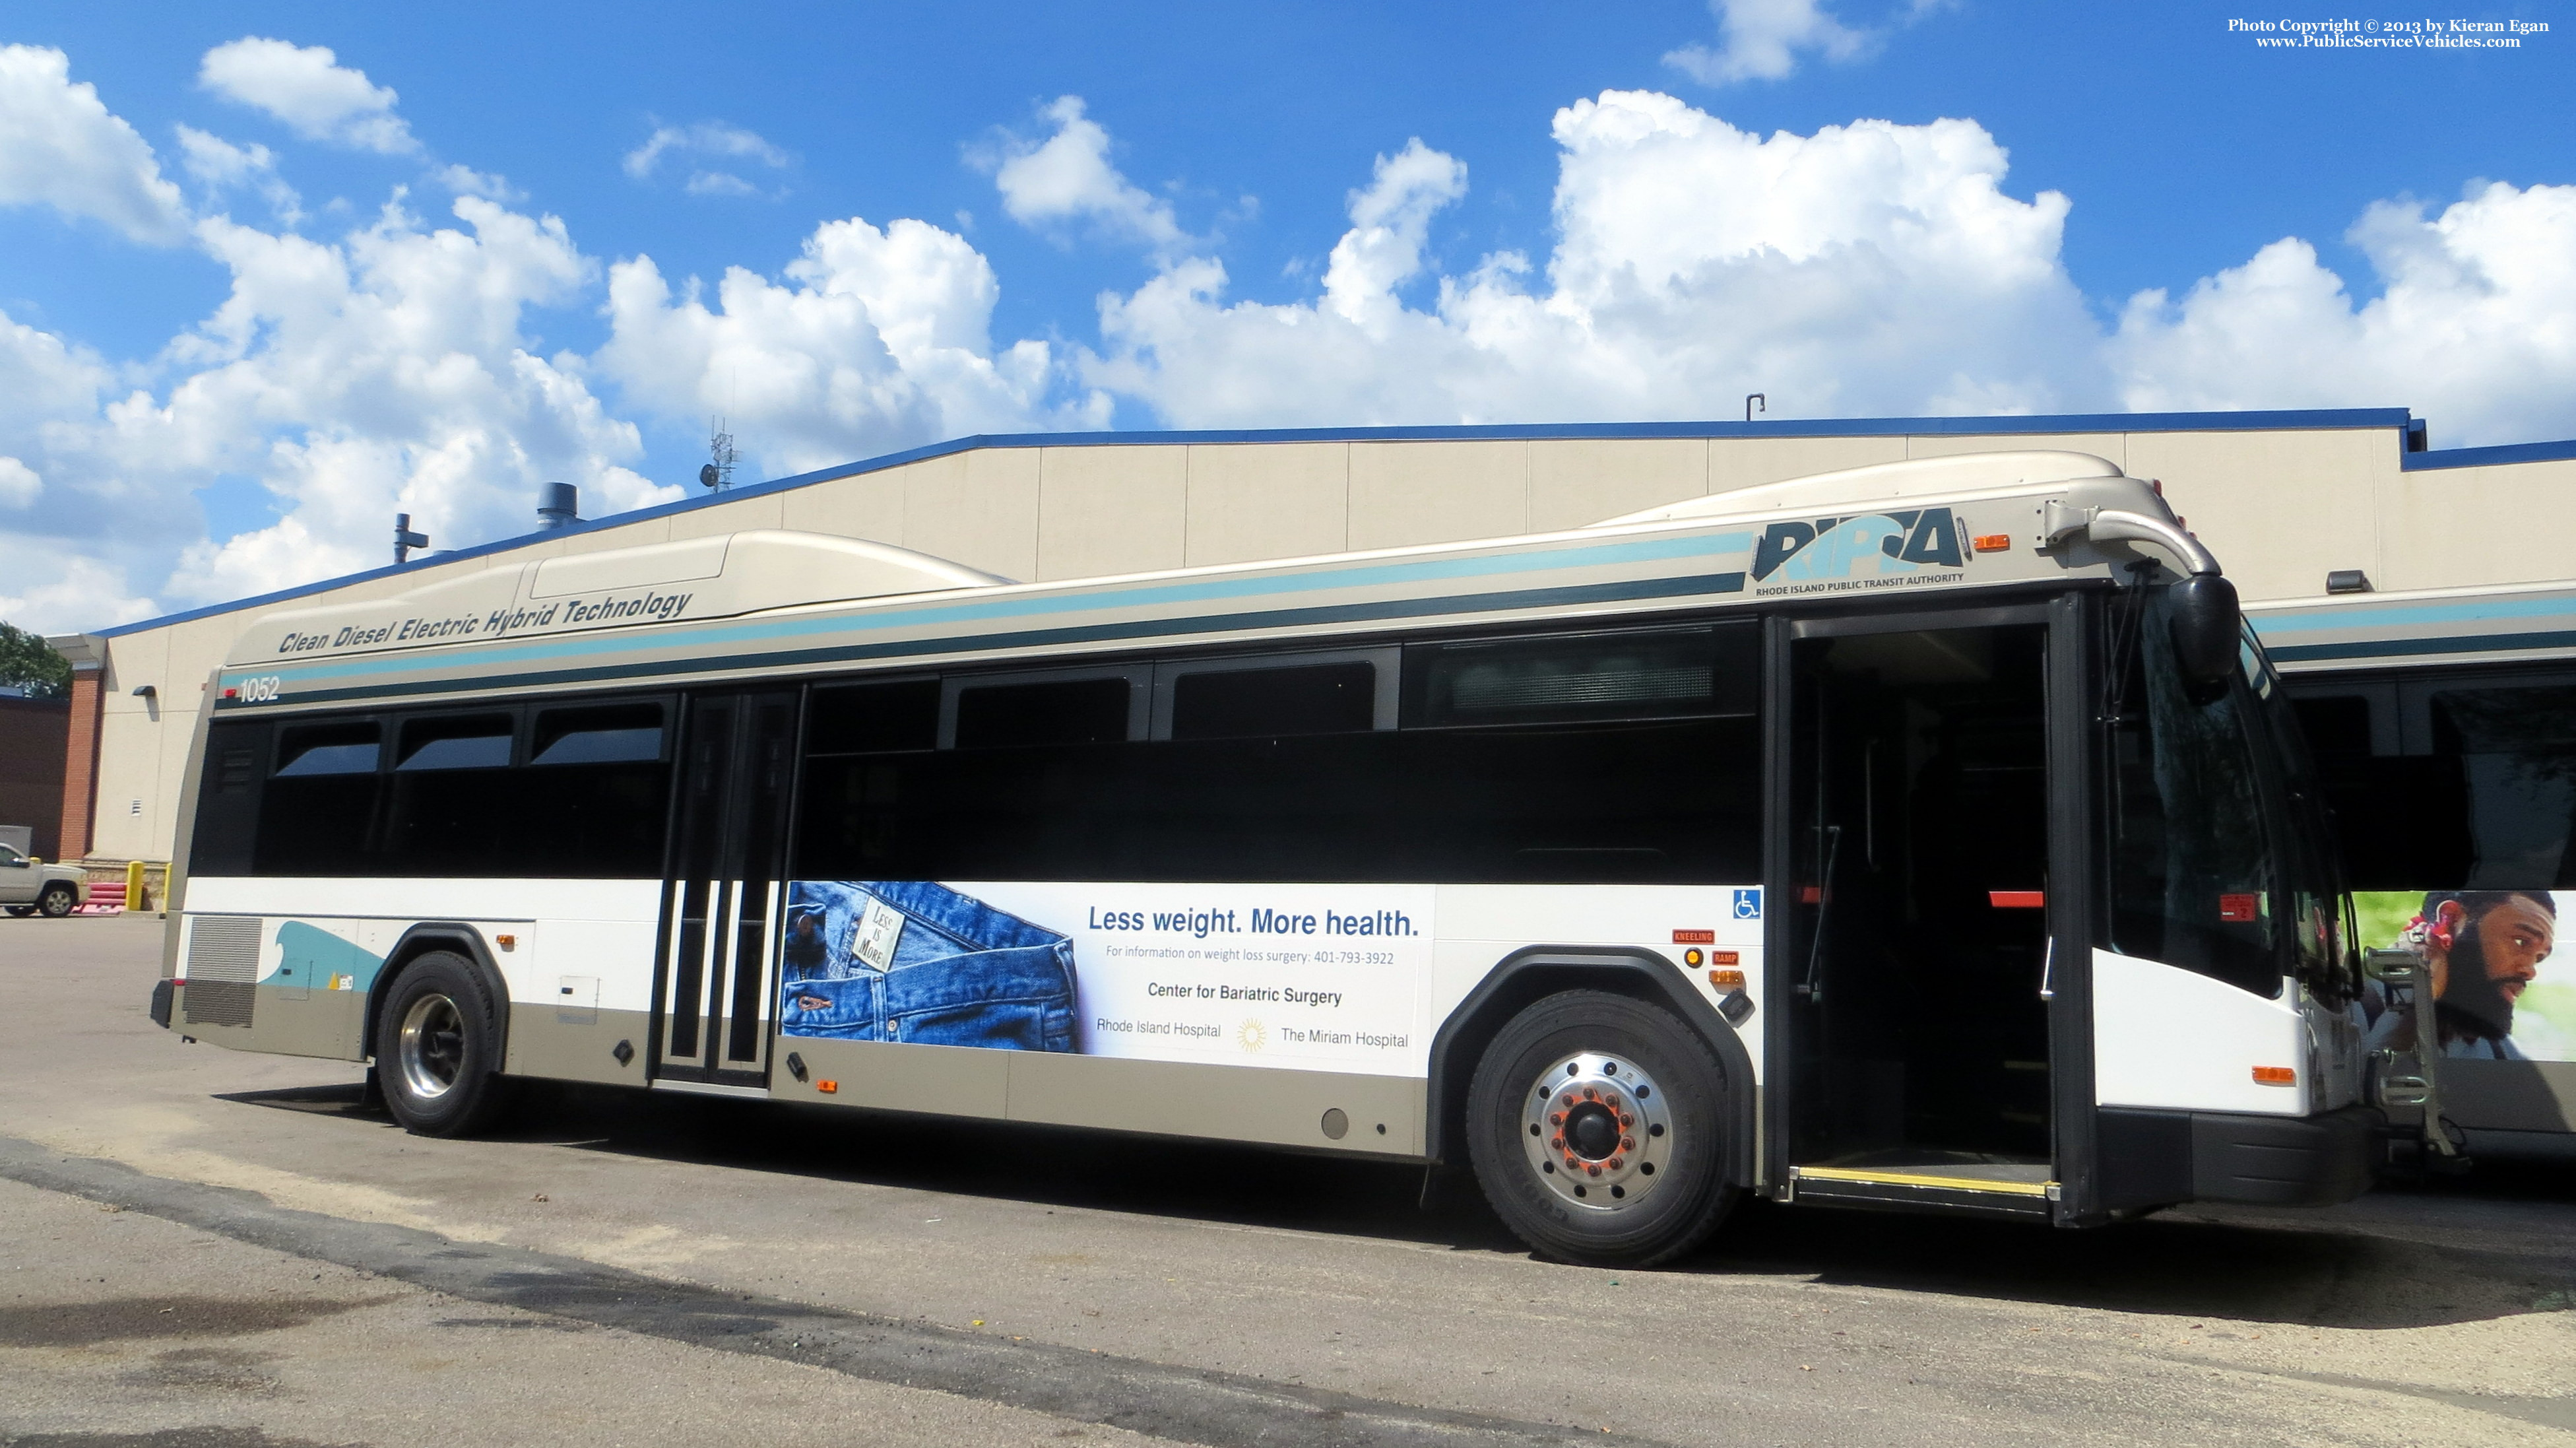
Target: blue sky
pixel 1239 185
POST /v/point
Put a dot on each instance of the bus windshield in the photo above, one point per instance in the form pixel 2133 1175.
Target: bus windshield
pixel 2193 859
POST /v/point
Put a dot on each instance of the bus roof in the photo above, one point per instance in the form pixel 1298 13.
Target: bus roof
pixel 2500 624
pixel 765 602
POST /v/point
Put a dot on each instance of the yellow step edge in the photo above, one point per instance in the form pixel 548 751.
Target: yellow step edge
pixel 1913 1179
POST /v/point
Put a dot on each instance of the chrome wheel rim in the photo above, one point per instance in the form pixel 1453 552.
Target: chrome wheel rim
pixel 430 1049
pixel 57 903
pixel 1596 1132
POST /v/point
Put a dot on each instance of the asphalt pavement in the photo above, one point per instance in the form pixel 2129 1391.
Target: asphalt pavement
pixel 199 1247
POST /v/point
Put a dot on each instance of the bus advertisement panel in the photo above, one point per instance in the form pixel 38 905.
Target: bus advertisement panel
pixel 1323 977
pixel 2489 951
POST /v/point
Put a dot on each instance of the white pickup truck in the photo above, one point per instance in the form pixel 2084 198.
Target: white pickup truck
pixel 27 886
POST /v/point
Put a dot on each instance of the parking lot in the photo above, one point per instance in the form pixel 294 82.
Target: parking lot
pixel 224 1249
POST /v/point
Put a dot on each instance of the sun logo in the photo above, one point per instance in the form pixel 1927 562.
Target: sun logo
pixel 1252 1035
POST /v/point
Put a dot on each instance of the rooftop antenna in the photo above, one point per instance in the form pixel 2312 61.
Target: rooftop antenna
pixel 1752 400
pixel 405 539
pixel 718 473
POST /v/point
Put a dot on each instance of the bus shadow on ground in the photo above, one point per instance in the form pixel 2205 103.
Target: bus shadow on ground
pixel 2499 1244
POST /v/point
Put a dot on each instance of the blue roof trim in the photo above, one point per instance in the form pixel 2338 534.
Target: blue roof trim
pixel 2487 457
pixel 2297 418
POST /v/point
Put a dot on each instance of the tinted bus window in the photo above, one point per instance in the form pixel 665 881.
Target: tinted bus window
pixel 223 841
pixel 1234 703
pixel 594 801
pixel 1050 711
pixel 480 741
pixel 605 734
pixel 2515 753
pixel 1583 677
pixel 1279 774
pixel 872 718
pixel 318 807
pixel 455 807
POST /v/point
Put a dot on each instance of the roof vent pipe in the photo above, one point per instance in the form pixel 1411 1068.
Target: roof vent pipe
pixel 558 504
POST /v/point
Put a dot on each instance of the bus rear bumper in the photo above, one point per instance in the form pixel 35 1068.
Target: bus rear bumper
pixel 2157 1158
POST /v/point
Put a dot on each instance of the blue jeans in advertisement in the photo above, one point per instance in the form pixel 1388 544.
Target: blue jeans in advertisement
pixel 962 973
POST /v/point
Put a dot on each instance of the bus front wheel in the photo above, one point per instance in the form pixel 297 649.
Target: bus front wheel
pixel 1598 1127
pixel 438 1048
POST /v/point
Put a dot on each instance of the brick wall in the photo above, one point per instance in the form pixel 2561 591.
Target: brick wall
pixel 31 769
pixel 80 762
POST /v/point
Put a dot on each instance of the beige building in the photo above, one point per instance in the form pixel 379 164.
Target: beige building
pixel 2283 498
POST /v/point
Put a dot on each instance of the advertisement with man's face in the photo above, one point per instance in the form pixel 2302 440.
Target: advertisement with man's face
pixel 2495 994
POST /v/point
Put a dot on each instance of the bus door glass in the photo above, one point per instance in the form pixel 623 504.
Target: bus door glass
pixel 1917 875
pixel 724 893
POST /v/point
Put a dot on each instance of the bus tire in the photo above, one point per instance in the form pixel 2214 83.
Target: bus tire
pixel 1598 1126
pixel 438 1049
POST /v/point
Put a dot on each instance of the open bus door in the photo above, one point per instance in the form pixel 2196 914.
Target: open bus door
pixel 1932 1048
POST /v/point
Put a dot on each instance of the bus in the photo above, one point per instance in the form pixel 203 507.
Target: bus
pixel 2444 726
pixel 1928 836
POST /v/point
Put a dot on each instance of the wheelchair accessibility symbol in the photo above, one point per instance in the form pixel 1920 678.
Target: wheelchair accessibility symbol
pixel 1748 904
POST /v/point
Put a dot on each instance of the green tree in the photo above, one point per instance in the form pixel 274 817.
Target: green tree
pixel 28 663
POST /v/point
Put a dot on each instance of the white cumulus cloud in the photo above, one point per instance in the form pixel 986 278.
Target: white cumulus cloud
pixel 340 381
pixel 1390 223
pixel 19 484
pixel 2474 325
pixel 61 147
pixel 221 166
pixel 874 340
pixel 1762 39
pixel 1872 267
pixel 702 143
pixel 307 88
pixel 1068 178
pixel 1867 268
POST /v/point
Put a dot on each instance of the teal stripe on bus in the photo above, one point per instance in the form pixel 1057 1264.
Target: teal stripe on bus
pixel 1382 611
pixel 711 634
pixel 2408 615
pixel 2409 647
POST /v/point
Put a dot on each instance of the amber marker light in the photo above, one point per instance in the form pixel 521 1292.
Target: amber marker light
pixel 1726 979
pixel 828 1088
pixel 506 942
pixel 1692 957
pixel 2275 1076
pixel 1993 542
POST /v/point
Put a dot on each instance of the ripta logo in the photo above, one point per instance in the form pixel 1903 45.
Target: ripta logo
pixel 1827 548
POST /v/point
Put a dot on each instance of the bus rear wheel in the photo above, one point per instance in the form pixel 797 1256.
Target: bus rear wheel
pixel 1598 1126
pixel 438 1049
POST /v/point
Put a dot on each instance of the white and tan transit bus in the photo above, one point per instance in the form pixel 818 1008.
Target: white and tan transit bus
pixel 1925 836
pixel 2444 728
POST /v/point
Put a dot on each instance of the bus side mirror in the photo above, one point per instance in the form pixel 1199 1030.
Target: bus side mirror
pixel 2207 630
pixel 2392 967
